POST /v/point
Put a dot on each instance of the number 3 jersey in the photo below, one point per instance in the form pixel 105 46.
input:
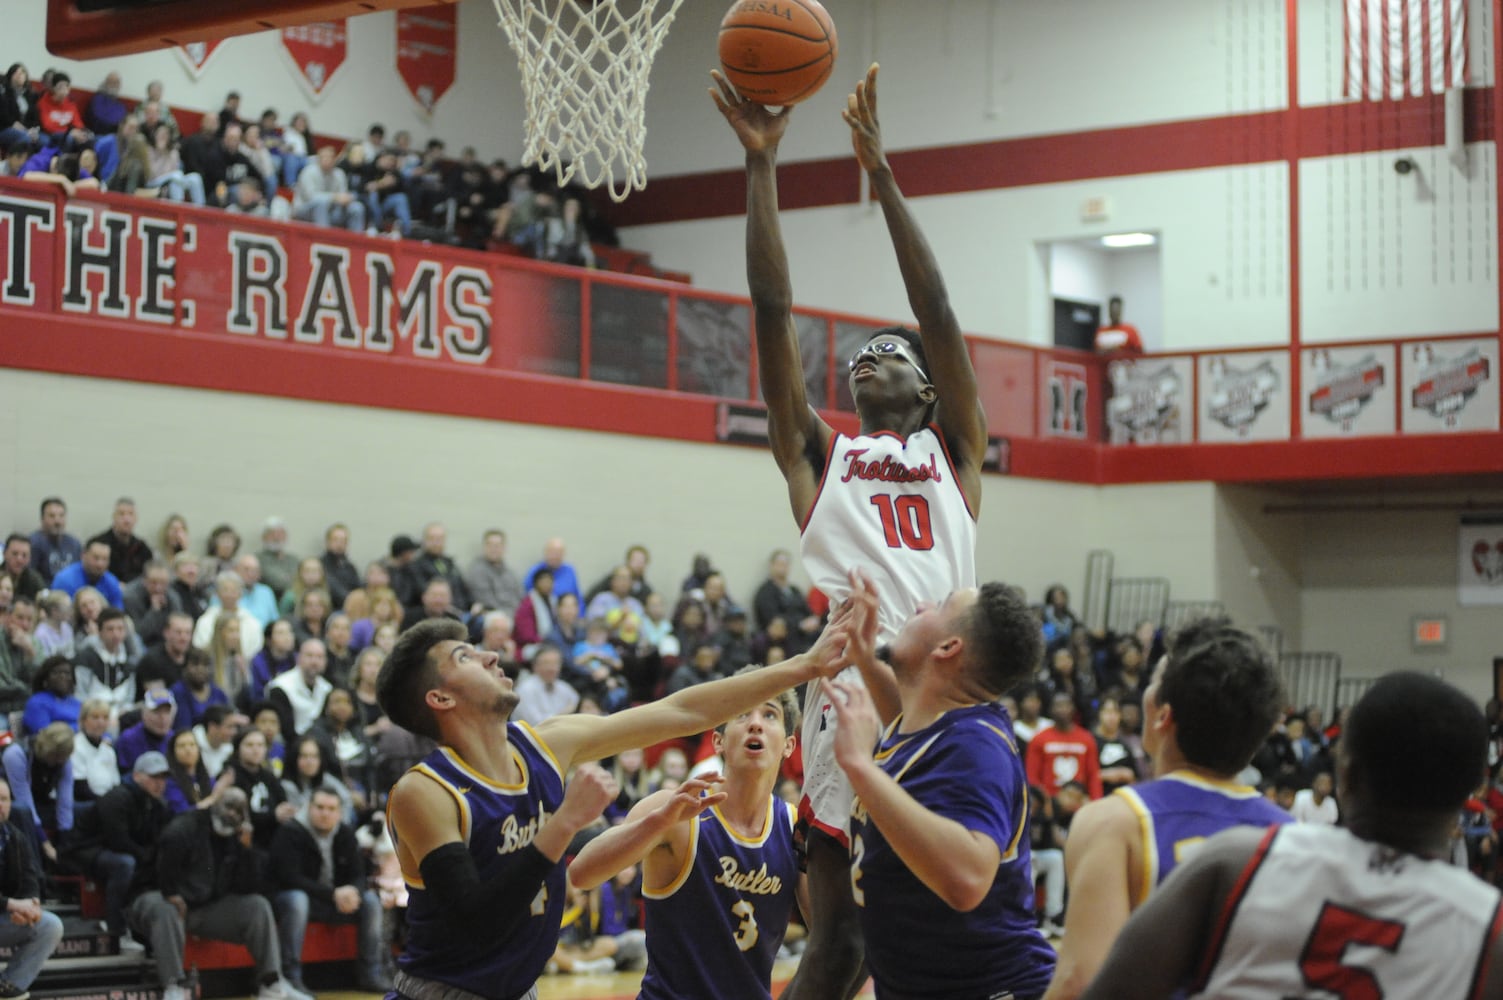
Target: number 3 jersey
pixel 495 821
pixel 892 507
pixel 715 931
pixel 1321 912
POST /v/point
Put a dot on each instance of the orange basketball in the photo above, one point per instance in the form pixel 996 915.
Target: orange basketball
pixel 777 52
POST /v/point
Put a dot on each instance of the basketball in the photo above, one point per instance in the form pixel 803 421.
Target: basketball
pixel 777 52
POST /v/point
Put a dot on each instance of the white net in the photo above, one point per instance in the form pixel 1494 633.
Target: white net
pixel 585 67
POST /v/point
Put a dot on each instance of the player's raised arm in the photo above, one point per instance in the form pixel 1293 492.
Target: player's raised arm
pixel 960 416
pixel 798 436
pixel 658 822
pixel 432 848
pixel 579 738
pixel 1162 946
pixel 1097 857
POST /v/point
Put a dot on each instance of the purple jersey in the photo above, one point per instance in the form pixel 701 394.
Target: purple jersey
pixel 1180 810
pixel 715 931
pixel 965 767
pixel 495 821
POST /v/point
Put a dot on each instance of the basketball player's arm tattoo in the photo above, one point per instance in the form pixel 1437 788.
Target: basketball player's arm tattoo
pixel 1098 864
pixel 1163 944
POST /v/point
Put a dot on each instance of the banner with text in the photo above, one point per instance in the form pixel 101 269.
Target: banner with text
pixel 1065 399
pixel 1149 401
pixel 1244 397
pixel 1349 391
pixel 1451 385
pixel 317 51
pixel 427 41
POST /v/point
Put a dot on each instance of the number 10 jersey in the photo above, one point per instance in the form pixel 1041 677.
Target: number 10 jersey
pixel 892 507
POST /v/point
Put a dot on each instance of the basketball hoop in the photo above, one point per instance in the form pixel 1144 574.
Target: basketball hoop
pixel 585 68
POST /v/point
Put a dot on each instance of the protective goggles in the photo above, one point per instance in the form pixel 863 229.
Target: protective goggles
pixel 883 348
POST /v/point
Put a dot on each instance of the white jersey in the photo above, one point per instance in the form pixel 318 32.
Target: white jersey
pixel 1319 912
pixel 894 508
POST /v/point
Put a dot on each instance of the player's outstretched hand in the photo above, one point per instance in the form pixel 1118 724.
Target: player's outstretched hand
pixel 691 798
pixel 857 725
pixel 828 655
pixel 861 115
pixel 861 631
pixel 758 129
pixel 590 790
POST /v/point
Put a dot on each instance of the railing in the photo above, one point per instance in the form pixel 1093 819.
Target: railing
pixel 211 278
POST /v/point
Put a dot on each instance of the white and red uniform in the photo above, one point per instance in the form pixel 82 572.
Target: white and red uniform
pixel 892 507
pixel 1319 911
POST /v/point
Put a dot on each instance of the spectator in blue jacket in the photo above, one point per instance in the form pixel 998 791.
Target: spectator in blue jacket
pixel 93 570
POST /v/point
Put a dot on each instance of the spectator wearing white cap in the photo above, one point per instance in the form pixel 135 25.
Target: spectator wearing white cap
pixel 153 732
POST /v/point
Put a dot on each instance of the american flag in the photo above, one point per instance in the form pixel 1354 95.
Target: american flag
pixel 1404 48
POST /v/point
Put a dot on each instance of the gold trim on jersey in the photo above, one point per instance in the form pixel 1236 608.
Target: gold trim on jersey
pixel 495 786
pixel 1150 872
pixel 683 873
pixel 1230 789
pixel 462 804
pixel 542 747
pixel 757 841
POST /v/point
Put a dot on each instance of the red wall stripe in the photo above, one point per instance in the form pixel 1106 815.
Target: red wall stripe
pixel 1191 144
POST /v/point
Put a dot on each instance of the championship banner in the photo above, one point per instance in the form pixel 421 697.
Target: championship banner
pixel 1065 398
pixel 195 56
pixel 427 43
pixel 1244 397
pixel 1149 402
pixel 1348 391
pixel 317 52
pixel 1451 385
pixel 1481 561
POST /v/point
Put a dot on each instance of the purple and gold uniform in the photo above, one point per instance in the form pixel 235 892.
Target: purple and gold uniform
pixel 1180 810
pixel 964 767
pixel 715 930
pixel 495 821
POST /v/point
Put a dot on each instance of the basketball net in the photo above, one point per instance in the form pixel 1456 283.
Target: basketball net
pixel 585 68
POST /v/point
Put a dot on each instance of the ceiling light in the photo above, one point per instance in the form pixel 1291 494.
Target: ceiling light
pixel 1129 240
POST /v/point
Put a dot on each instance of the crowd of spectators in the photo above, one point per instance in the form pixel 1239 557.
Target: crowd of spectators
pixel 261 166
pixel 248 666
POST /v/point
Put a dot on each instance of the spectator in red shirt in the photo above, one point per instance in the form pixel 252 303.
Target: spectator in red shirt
pixel 1118 337
pixel 1064 752
pixel 59 115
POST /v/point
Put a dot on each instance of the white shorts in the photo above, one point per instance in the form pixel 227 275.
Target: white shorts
pixel 828 797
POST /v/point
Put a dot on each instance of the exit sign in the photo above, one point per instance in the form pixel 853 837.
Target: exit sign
pixel 1429 632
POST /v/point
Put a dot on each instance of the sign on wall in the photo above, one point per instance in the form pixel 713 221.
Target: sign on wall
pixel 1149 401
pixel 1451 385
pixel 195 56
pixel 1348 391
pixel 1066 400
pixel 317 52
pixel 1244 397
pixel 1481 561
pixel 427 41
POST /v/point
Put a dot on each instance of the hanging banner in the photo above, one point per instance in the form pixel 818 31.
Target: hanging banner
pixel 195 56
pixel 1244 397
pixel 1348 391
pixel 1065 399
pixel 1481 561
pixel 317 52
pixel 427 43
pixel 1150 401
pixel 1451 385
